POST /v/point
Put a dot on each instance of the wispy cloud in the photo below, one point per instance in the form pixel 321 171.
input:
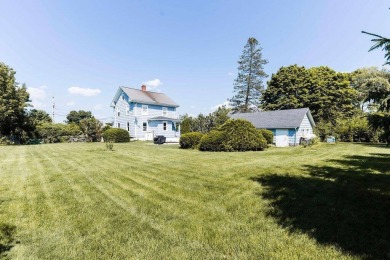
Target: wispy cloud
pixel 224 104
pixel 86 92
pixel 37 95
pixel 152 84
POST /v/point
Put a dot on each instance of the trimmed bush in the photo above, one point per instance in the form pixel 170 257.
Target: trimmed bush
pixel 268 135
pixel 190 140
pixel 214 141
pixel 116 135
pixel 234 135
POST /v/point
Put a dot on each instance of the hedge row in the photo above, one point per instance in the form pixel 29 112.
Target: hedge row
pixel 116 135
pixel 190 140
pixel 233 135
pixel 268 135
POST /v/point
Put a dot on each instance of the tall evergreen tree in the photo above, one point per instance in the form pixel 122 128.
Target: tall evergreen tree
pixel 248 85
pixel 13 102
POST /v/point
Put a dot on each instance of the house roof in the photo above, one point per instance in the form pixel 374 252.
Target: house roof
pixel 146 97
pixel 289 118
pixel 163 118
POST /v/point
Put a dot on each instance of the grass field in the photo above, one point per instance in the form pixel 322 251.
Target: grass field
pixel 147 201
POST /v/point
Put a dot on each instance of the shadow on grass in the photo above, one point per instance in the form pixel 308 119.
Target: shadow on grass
pixel 7 233
pixel 347 205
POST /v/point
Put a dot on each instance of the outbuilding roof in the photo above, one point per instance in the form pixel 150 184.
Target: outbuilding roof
pixel 146 97
pixel 289 118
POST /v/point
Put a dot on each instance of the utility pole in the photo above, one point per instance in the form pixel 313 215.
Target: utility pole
pixel 53 109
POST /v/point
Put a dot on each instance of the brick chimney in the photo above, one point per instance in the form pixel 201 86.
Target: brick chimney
pixel 143 87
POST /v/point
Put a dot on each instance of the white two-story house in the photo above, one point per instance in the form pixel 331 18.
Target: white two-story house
pixel 145 114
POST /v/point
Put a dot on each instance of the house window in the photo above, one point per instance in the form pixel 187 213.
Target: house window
pixel 127 109
pixel 144 109
pixel 119 125
pixel 118 111
pixel 128 126
pixel 144 126
pixel 165 126
pixel 164 111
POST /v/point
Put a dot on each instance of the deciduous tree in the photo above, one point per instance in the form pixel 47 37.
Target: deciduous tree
pixel 14 99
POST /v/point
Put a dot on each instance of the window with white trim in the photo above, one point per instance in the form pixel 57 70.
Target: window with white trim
pixel 118 111
pixel 144 126
pixel 144 109
pixel 128 126
pixel 165 125
pixel 164 111
pixel 127 109
pixel 119 125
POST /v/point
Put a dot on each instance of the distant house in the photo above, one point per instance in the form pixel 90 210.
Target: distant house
pixel 288 125
pixel 145 114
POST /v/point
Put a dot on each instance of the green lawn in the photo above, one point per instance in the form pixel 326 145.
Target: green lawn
pixel 147 201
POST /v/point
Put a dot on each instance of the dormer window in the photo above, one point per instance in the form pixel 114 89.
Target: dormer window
pixel 164 111
pixel 144 109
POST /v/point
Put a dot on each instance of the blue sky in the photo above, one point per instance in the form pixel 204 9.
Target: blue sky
pixel 81 51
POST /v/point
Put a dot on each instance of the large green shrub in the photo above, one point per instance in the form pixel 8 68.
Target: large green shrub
pixel 215 141
pixel 234 135
pixel 190 140
pixel 268 135
pixel 116 135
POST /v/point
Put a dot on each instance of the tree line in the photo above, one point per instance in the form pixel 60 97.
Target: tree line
pixel 351 106
pixel 19 123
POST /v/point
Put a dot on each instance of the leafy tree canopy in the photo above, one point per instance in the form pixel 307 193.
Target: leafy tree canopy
pixel 39 117
pixel 76 116
pixel 326 92
pixel 13 102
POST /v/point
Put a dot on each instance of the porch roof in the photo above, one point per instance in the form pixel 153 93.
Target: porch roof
pixel 164 118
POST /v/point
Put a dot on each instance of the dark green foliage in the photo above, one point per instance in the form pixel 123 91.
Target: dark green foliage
pixel 13 102
pixel 202 123
pixel 39 117
pixel 381 42
pixel 371 84
pixel 248 85
pixel 55 133
pixel 34 141
pixel 234 135
pixel 243 136
pixel 106 127
pixel 190 140
pixel 326 92
pixel 116 135
pixel 268 135
pixel 215 141
pixel 91 128
pixel 4 140
pixel 185 124
pixel 354 129
pixel 381 121
pixel 76 116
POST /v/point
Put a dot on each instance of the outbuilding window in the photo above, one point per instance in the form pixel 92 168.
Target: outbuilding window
pixel 144 126
pixel 165 126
